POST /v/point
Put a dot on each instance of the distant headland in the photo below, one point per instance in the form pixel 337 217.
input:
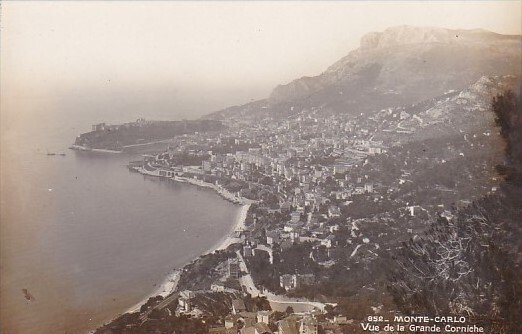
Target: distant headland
pixel 119 138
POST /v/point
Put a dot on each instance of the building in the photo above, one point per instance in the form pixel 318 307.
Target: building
pixel 341 168
pixel 308 325
pixel 306 279
pixel 374 150
pixel 247 251
pixel 259 328
pixel 234 271
pixel 288 325
pixel 184 304
pixel 223 330
pixel 334 211
pixel 340 319
pixel 264 316
pixel 262 328
pixel 328 241
pixel 289 282
pixel 295 217
pixel 207 166
pixel 272 238
pixel 238 306
pixel 217 287
pixel 231 321
pixel 98 127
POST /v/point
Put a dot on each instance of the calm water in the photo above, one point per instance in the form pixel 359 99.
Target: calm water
pixel 86 237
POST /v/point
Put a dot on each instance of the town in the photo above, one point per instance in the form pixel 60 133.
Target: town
pixel 327 204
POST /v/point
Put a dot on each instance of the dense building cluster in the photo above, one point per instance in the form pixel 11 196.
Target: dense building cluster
pixel 329 200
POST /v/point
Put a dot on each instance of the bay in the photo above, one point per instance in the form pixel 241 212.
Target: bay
pixel 87 238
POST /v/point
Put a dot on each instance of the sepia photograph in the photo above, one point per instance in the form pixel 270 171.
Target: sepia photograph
pixel 260 167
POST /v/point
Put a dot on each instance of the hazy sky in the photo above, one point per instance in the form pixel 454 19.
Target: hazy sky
pixel 195 57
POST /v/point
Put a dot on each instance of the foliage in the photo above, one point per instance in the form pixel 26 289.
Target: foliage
pixel 469 264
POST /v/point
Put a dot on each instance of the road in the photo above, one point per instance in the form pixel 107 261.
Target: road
pixel 247 281
pixel 165 302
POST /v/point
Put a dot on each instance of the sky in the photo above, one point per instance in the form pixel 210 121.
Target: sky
pixel 184 59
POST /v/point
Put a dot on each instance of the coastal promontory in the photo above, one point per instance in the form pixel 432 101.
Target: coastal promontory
pixel 141 132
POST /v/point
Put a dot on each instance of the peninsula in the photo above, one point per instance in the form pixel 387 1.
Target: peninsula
pixel 117 138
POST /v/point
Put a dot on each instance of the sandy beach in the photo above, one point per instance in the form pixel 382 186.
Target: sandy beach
pixel 165 289
pixel 230 238
pixel 170 284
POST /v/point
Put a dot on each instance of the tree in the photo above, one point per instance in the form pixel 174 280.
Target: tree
pixel 466 265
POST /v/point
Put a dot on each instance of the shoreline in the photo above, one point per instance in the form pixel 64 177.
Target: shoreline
pixel 87 149
pixel 224 193
pixel 104 150
pixel 230 238
pixel 170 284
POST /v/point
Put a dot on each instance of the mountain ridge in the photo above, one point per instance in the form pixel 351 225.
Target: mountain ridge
pixel 399 65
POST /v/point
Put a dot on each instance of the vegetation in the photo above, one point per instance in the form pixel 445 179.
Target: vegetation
pixel 200 274
pixel 470 264
pixel 116 137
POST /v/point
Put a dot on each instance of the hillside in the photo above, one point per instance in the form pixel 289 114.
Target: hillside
pixel 472 259
pixel 389 184
pixel 401 65
pixel 141 132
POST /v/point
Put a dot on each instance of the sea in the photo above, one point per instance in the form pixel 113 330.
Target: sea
pixel 86 238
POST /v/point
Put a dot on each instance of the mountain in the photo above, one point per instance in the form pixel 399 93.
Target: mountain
pixel 401 65
pixel 456 112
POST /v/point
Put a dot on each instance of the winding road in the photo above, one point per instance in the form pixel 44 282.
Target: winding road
pixel 247 281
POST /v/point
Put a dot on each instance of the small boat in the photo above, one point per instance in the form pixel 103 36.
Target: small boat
pixel 28 295
pixel 53 153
